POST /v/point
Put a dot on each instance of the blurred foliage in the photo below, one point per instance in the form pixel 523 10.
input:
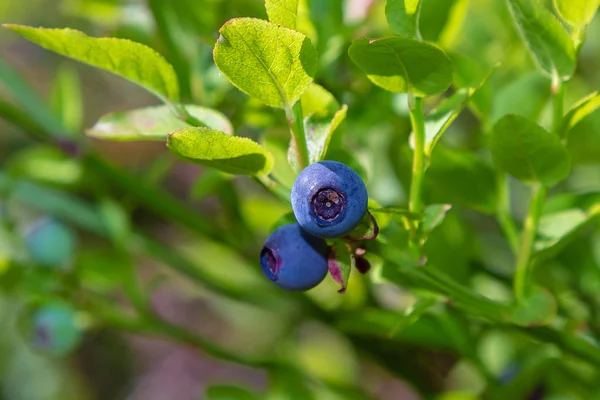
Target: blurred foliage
pixel 162 248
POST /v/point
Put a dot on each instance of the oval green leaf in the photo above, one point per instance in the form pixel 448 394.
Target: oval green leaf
pixel 271 63
pixel 545 37
pixel 282 12
pixel 153 123
pixel 529 152
pixel 212 148
pixel 403 19
pixel 133 61
pixel 403 65
pixel 578 13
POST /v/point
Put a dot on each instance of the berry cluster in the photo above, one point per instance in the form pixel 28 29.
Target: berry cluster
pixel 329 200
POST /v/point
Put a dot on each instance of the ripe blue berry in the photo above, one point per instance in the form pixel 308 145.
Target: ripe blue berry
pixel 329 199
pixel 50 243
pixel 54 329
pixel 294 259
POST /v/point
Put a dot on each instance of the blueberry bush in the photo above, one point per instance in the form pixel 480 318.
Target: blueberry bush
pixel 361 192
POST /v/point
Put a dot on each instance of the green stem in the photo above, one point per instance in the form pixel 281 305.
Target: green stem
pixel 522 281
pixel 558 97
pixel 522 284
pixel 295 119
pixel 417 119
pixel 503 213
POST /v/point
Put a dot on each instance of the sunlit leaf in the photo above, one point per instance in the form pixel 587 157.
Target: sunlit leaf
pixel 403 65
pixel 153 123
pixel 133 61
pixel 212 148
pixel 282 12
pixel 271 63
pixel 546 38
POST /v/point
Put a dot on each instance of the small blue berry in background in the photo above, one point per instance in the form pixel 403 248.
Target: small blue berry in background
pixel 54 329
pixel 329 199
pixel 51 243
pixel 294 259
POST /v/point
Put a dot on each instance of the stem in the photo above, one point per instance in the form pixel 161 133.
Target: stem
pixel 522 282
pixel 503 213
pixel 417 120
pixel 558 96
pixel 295 119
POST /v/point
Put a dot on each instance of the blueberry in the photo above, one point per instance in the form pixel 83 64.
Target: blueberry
pixel 55 330
pixel 329 199
pixel 50 243
pixel 294 259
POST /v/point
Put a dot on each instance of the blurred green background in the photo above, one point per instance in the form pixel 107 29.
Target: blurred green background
pixel 217 291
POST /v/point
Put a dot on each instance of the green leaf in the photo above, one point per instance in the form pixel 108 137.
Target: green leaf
pixel 66 98
pixel 403 65
pixel 469 73
pixel 222 392
pixel 584 107
pixel 282 12
pixel 583 137
pixel 153 123
pixel 341 262
pixel 558 229
pixel 403 18
pixel 271 63
pixel 133 61
pixel 578 13
pixel 529 152
pixel 524 96
pixel 434 15
pixel 319 132
pixel 456 176
pixel 537 309
pixel 434 216
pixel 212 148
pixel 317 100
pixel 545 37
pixel 367 229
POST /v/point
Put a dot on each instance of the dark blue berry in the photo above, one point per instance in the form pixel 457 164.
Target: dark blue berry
pixel 294 259
pixel 329 199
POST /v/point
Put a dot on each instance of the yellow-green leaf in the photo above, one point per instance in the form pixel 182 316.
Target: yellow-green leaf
pixel 212 148
pixel 133 61
pixel 578 13
pixel 282 12
pixel 271 63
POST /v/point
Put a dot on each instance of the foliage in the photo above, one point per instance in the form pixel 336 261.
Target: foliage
pixel 481 169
